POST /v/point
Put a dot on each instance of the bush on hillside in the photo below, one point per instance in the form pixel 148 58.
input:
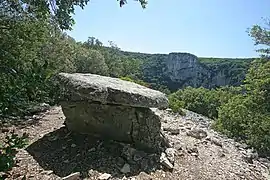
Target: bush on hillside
pixel 199 100
pixel 242 119
pixel 247 116
pixel 140 82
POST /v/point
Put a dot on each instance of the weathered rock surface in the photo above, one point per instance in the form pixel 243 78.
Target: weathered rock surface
pixel 184 69
pixel 138 126
pixel 107 90
pixel 112 109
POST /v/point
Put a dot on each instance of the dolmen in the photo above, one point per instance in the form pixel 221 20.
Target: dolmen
pixel 112 108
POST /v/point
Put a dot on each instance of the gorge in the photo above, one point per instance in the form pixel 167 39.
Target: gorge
pixel 179 70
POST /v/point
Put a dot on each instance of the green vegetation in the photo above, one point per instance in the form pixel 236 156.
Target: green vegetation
pixel 241 112
pixel 59 10
pixel 8 150
pixel 33 48
pixel 201 100
pixel 135 81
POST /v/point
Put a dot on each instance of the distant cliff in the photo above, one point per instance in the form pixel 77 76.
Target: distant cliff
pixel 178 70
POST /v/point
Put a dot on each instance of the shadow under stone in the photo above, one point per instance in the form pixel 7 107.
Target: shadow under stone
pixel 65 152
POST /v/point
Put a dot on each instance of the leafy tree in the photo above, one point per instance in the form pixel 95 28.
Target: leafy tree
pixel 200 100
pixel 90 61
pixel 257 82
pixel 261 37
pixel 247 116
pixel 60 10
pixel 92 43
pixel 21 40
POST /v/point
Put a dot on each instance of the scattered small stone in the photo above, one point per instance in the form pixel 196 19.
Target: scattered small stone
pixel 4 130
pixel 138 155
pixel 165 162
pixel 125 169
pixel 91 172
pixel 144 176
pixel 99 146
pixel 221 153
pixel 66 161
pixel 197 133
pixel 165 141
pixel 104 176
pixel 216 142
pixel 73 176
pixel 47 172
pixel 249 156
pixel 120 161
pixel 241 145
pixel 128 152
pixel 173 131
pixel 92 149
pixel 179 146
pixel 170 152
pixel 73 145
pixel 192 149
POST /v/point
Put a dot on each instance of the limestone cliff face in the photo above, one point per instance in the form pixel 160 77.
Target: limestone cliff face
pixel 179 70
pixel 185 69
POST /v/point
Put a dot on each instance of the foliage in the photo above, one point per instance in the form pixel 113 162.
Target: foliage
pixel 261 37
pixel 90 61
pixel 140 82
pixel 154 70
pixel 257 82
pixel 175 104
pixel 33 49
pixel 201 100
pixel 60 10
pixel 21 41
pixel 241 112
pixel 247 116
pixel 8 150
pixel 242 118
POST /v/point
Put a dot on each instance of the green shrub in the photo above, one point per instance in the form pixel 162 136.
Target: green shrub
pixel 243 119
pixel 175 104
pixel 199 100
pixel 140 82
pixel 247 117
pixel 8 150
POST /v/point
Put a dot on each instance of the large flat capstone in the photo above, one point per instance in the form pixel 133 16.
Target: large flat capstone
pixel 107 90
pixel 112 109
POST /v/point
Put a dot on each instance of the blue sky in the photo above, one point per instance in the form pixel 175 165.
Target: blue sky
pixel 206 28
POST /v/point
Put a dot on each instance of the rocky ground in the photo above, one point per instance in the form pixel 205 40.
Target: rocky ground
pixel 196 152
